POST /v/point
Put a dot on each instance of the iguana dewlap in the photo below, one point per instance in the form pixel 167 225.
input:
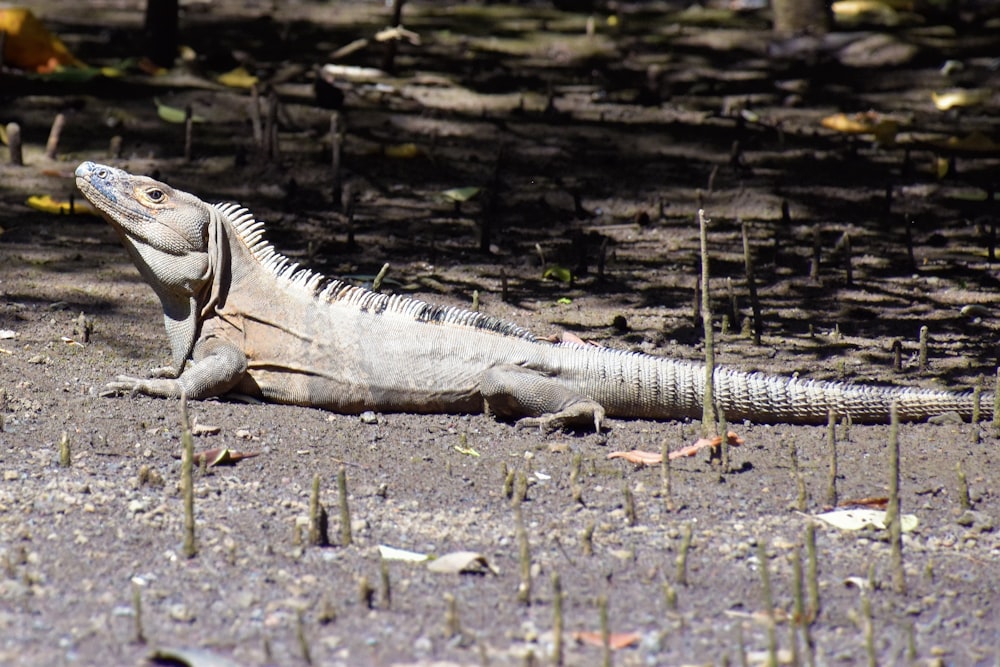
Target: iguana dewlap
pixel 242 318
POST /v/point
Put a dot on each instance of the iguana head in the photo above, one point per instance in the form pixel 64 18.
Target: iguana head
pixel 146 211
pixel 169 235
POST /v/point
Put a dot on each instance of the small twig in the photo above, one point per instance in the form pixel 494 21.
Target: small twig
pixel 686 537
pixel 922 355
pixel 188 132
pixel 190 548
pixel 52 145
pixel 140 635
pixel 758 321
pixel 336 144
pixel 345 511
pixel 602 609
pixel 708 417
pixel 524 557
pixel 665 481
pixel 14 144
pixel 831 443
pixel 630 515
pixel 812 572
pixel 318 529
pixel 557 620
pixel 893 518
pixel 768 600
pixel 379 277
pixel 964 501
pixel 65 458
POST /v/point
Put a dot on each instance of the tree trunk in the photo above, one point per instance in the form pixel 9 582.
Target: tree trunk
pixel 161 31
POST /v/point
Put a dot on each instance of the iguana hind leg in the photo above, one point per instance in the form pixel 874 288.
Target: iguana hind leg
pixel 538 399
pixel 218 367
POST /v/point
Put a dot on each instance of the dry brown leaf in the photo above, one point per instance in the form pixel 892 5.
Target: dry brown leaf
pixel 875 503
pixel 638 457
pixel 220 456
pixel 461 562
pixel 616 640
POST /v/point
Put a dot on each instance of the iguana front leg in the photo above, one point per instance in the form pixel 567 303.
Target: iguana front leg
pixel 218 366
pixel 540 400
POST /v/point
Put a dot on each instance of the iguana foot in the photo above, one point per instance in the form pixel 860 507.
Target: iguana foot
pixel 578 413
pixel 125 384
pixel 163 372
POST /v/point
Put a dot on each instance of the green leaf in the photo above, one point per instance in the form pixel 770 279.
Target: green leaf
pixel 565 301
pixel 173 114
pixel 558 273
pixel 461 194
pixel 468 451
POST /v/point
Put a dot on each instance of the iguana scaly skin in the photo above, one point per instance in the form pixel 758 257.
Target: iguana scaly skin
pixel 242 318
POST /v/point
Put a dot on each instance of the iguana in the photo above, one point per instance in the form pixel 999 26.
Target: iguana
pixel 242 318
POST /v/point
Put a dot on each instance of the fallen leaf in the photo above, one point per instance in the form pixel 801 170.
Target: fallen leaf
pixel 856 519
pixel 616 640
pixel 70 341
pixel 402 151
pixel 397 32
pixel 29 45
pixel 960 97
pixel 238 78
pixel 173 114
pixel 203 429
pixel 353 73
pixel 568 337
pixel 461 194
pixel 48 204
pixel 392 553
pixel 192 657
pixel 976 142
pixel 7 334
pixel 638 457
pixel 559 273
pixel 461 562
pixel 221 456
pixel 871 503
pixel 468 451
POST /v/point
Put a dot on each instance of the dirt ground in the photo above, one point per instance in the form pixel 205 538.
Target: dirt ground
pixel 593 153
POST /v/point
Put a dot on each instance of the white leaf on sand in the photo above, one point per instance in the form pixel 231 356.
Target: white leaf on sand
pixel 856 519
pixel 392 553
pixel 192 657
pixel 6 334
pixel 457 562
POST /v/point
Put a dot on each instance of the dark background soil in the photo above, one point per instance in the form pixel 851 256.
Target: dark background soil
pixel 582 144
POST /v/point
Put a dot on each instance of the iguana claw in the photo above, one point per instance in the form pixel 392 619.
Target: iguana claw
pixel 123 384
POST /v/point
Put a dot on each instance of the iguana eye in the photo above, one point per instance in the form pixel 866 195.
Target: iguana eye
pixel 155 195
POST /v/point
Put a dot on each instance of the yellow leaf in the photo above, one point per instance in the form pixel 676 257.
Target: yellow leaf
pixel 49 205
pixel 977 142
pixel 402 151
pixel 237 78
pixel 961 97
pixel 28 45
pixel 852 9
